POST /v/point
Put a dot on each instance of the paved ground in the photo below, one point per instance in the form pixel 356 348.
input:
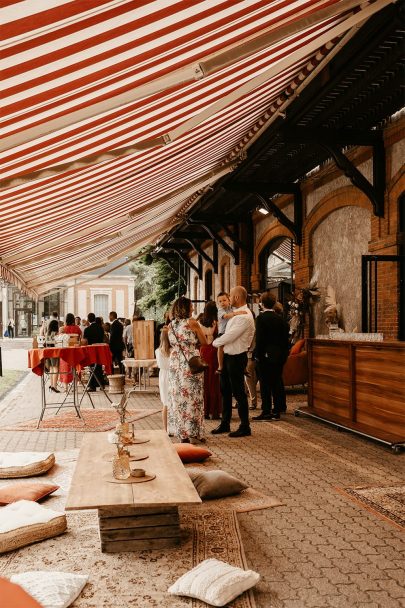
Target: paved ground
pixel 318 550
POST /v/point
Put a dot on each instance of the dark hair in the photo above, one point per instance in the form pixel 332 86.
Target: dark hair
pixel 113 314
pixel 210 314
pixel 53 326
pixel 91 317
pixel 55 314
pixel 70 319
pixel 181 308
pixel 223 293
pixel 268 299
pixel 99 321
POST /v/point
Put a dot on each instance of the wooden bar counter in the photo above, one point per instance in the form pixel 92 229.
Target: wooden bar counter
pixel 359 386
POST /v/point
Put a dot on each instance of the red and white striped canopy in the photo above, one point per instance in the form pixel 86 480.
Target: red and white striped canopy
pixel 115 113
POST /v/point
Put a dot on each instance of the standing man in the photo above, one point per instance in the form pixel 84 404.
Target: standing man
pixel 116 341
pixel 94 334
pixel 44 328
pixel 271 354
pixel 236 342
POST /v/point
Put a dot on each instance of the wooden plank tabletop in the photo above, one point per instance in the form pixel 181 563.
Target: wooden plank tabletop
pixel 172 485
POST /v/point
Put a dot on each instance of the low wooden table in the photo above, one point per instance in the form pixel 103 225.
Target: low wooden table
pixel 136 516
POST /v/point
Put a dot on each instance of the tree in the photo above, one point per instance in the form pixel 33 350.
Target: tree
pixel 157 284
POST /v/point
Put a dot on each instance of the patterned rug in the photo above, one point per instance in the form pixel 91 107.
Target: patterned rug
pixel 140 579
pixel 93 421
pixel 387 502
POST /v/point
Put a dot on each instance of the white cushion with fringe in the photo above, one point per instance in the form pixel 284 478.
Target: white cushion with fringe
pixel 214 582
pixel 51 589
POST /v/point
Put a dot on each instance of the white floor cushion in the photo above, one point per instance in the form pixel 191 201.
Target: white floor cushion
pixel 214 582
pixel 25 464
pixel 51 589
pixel 25 522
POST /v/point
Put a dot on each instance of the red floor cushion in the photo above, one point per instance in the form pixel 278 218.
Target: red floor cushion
pixel 191 453
pixel 13 596
pixel 26 490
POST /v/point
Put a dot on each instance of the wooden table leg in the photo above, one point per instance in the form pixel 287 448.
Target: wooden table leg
pixel 138 528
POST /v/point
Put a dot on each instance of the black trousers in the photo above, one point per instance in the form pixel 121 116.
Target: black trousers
pixel 98 372
pixel 10 331
pixel 117 358
pixel 271 386
pixel 233 384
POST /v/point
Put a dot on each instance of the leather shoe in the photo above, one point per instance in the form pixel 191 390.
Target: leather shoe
pixel 241 432
pixel 263 417
pixel 222 428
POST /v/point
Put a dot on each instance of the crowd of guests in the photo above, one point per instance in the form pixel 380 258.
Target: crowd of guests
pixel 238 350
pixel 91 330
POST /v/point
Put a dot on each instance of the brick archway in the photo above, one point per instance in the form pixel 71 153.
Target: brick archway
pixel 275 231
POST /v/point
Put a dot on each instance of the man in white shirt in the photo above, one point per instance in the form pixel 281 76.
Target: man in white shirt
pixel 236 341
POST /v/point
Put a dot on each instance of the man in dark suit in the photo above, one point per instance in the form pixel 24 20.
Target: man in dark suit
pixel 94 334
pixel 117 345
pixel 271 353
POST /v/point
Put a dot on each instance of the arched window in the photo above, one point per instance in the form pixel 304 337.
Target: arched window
pixel 208 285
pixel 277 267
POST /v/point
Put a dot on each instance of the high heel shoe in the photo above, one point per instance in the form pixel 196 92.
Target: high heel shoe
pixel 53 389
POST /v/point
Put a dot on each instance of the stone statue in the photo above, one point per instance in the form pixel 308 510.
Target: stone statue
pixel 333 310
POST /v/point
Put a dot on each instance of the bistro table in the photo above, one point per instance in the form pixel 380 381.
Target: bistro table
pixel 143 366
pixel 77 357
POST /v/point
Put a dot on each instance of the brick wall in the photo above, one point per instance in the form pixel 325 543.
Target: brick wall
pixel 324 194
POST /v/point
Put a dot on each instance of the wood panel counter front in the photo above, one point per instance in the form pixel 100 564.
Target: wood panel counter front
pixel 359 385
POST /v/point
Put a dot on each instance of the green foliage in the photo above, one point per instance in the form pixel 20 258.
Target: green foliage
pixel 157 284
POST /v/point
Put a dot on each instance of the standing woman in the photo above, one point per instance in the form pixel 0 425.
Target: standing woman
pixel 70 327
pixel 53 363
pixel 10 328
pixel 186 390
pixel 212 389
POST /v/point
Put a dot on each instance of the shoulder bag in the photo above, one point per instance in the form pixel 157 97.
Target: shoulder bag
pixel 196 363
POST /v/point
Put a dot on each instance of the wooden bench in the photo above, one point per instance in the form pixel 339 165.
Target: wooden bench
pixel 135 516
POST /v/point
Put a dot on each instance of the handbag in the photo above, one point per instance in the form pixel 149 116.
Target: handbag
pixel 196 363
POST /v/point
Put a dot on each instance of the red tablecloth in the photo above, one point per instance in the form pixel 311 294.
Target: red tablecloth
pixel 75 356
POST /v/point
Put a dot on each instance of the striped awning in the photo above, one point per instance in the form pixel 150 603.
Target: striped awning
pixel 118 114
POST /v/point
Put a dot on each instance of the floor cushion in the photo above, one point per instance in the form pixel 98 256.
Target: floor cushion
pixel 216 484
pixel 191 453
pixel 25 522
pixel 297 347
pixel 25 464
pixel 26 490
pixel 214 582
pixel 13 596
pixel 52 589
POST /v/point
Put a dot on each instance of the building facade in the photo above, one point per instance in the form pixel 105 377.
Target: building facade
pixel 341 240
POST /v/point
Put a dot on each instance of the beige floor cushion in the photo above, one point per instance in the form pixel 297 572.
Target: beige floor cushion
pixel 51 589
pixel 25 464
pixel 214 582
pixel 25 522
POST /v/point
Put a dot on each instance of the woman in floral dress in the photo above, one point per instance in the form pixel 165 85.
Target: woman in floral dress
pixel 186 390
